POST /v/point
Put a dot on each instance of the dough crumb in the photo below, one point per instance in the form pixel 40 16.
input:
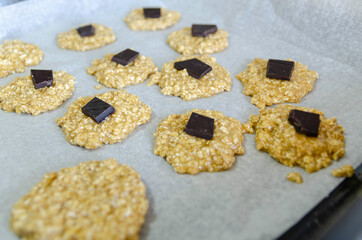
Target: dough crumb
pixel 344 171
pixel 295 177
pixel 98 87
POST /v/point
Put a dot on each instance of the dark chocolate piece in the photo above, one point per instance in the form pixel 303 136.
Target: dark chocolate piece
pixel 42 78
pixel 306 123
pixel 98 110
pixel 152 12
pixel 195 68
pixel 200 126
pixel 125 57
pixel 86 31
pixel 279 69
pixel 202 30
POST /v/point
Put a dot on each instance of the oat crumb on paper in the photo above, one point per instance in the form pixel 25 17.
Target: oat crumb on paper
pixel 93 200
pixel 137 21
pixel 344 171
pixel 98 87
pixel 16 55
pixel 266 91
pixel 21 96
pixel 73 41
pixel 276 136
pixel 114 75
pixel 83 131
pixel 180 83
pixel 295 177
pixel 189 154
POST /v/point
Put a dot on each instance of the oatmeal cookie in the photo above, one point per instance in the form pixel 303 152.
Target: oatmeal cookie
pixel 22 97
pixel 180 83
pixel 344 171
pixel 94 200
pixel 81 130
pixel 189 154
pixel 276 136
pixel 266 91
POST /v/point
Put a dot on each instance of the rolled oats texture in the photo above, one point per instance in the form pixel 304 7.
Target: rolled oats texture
pixel 295 177
pixel 137 21
pixel 276 136
pixel 114 75
pixel 180 83
pixel 344 171
pixel 183 42
pixel 21 96
pixel 73 41
pixel 190 154
pixel 266 91
pixel 81 130
pixel 16 55
pixel 93 200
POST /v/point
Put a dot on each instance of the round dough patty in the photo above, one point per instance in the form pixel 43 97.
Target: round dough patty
pixel 184 43
pixel 83 131
pixel 94 200
pixel 276 136
pixel 189 154
pixel 114 75
pixel 73 41
pixel 266 91
pixel 137 21
pixel 16 55
pixel 179 83
pixel 22 97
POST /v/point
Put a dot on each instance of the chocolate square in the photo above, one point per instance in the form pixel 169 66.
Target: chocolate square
pixel 42 78
pixel 125 57
pixel 279 69
pixel 195 68
pixel 86 31
pixel 98 110
pixel 203 30
pixel 306 123
pixel 200 126
pixel 152 12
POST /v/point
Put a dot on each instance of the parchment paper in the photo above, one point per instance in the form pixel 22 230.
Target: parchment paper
pixel 252 200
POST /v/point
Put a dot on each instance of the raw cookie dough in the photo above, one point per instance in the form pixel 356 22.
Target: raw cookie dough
pixel 276 136
pixel 22 97
pixel 114 75
pixel 189 154
pixel 344 171
pixel 184 43
pixel 266 91
pixel 94 200
pixel 179 83
pixel 295 177
pixel 137 21
pixel 73 41
pixel 83 131
pixel 16 55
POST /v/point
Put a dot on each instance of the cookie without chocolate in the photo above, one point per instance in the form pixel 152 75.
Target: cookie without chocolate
pixel 180 83
pixel 16 55
pixel 73 41
pixel 22 97
pixel 267 91
pixel 276 136
pixel 81 130
pixel 189 154
pixel 94 200
pixel 114 75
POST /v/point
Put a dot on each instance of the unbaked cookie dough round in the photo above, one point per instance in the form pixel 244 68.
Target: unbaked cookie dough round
pixel 22 97
pixel 81 130
pixel 276 136
pixel 16 55
pixel 266 91
pixel 93 200
pixel 189 154
pixel 184 43
pixel 180 83
pixel 114 75
pixel 73 41
pixel 137 21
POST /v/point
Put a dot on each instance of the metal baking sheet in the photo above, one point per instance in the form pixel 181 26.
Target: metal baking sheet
pixel 252 200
